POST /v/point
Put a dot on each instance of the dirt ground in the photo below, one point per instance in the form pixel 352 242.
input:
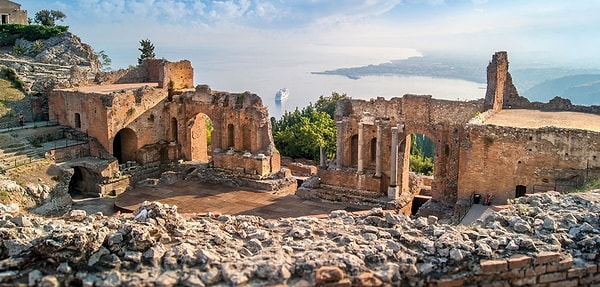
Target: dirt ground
pixel 538 119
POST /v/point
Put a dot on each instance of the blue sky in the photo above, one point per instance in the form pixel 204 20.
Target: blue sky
pixel 367 31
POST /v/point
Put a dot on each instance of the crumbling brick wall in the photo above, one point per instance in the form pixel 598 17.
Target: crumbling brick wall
pixel 440 120
pixel 540 269
pixel 497 159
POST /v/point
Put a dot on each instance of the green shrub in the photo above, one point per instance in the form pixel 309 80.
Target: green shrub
pixel 19 49
pixel 37 46
pixel 9 33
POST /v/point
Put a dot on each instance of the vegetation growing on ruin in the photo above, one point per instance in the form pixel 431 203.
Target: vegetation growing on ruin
pixel 421 154
pixel 590 185
pixel 301 133
pixel 9 33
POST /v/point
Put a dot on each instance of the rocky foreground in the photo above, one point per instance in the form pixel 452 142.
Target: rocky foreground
pixel 156 246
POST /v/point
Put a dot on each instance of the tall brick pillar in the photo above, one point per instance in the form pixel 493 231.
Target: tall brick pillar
pixel 338 145
pixel 378 149
pixel 360 163
pixel 393 189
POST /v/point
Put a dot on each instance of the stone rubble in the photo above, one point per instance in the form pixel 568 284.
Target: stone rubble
pixel 156 246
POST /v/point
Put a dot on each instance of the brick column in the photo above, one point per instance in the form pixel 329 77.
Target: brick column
pixel 378 149
pixel 360 163
pixel 393 189
pixel 338 145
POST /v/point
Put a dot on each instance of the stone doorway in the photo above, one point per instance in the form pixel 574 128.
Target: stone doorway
pixel 201 128
pixel 83 183
pixel 520 191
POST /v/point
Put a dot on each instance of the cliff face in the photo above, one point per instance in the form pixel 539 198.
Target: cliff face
pixel 49 62
pixel 61 61
pixel 64 50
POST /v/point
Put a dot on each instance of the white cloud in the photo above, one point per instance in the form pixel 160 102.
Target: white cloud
pixel 347 27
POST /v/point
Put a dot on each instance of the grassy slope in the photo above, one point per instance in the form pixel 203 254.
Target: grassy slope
pixel 8 95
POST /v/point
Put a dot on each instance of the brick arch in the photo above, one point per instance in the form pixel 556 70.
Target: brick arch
pixel 197 140
pixel 441 175
pixel 125 145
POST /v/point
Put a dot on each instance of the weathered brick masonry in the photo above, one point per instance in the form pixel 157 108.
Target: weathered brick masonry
pixel 471 156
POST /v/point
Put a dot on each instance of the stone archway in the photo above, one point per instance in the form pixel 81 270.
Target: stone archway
pixel 417 181
pixel 125 145
pixel 200 137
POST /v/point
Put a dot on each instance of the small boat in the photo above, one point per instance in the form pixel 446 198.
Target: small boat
pixel 282 94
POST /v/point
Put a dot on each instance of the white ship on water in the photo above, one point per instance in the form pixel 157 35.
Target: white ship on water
pixel 282 94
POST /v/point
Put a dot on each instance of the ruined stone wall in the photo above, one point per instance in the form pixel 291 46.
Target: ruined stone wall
pixel 555 104
pixel 70 152
pixel 352 180
pixel 173 75
pixel 124 76
pixel 240 121
pixel 176 75
pixel 140 111
pixel 500 89
pixel 495 159
pixel 65 105
pixel 241 125
pixel 440 120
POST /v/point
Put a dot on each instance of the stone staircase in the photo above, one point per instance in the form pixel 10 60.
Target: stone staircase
pixel 30 71
pixel 16 152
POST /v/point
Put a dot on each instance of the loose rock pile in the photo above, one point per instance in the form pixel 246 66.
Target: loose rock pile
pixel 157 246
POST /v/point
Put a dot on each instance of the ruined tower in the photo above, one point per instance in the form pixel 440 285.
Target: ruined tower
pixel 501 93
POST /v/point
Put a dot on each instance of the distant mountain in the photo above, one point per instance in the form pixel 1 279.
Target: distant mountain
pixel 580 89
pixel 535 82
pixel 426 66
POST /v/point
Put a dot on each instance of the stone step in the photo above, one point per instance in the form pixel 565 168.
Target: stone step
pixel 12 162
pixel 14 148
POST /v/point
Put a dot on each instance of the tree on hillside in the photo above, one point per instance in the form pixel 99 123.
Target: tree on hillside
pixel 49 17
pixel 147 50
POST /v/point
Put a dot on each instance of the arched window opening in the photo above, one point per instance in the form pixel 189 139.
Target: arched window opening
pixel 125 145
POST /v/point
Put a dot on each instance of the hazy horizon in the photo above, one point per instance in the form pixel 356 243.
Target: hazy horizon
pixel 262 45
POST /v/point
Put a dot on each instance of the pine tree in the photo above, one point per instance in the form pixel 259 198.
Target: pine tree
pixel 49 17
pixel 147 50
